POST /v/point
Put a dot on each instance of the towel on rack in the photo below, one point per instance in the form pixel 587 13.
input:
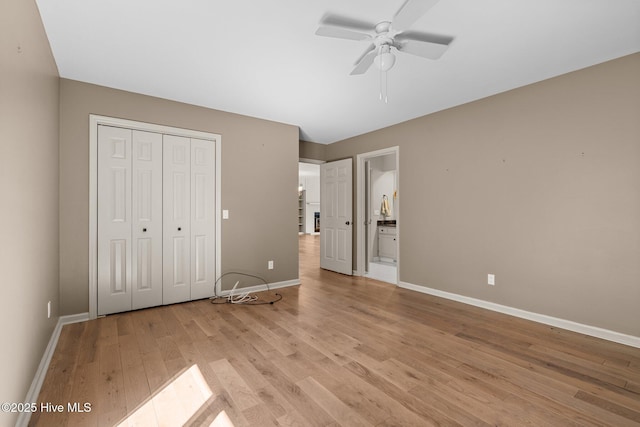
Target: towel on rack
pixel 384 208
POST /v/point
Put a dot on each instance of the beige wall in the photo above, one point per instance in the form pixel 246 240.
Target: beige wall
pixel 259 183
pixel 312 150
pixel 539 186
pixel 29 194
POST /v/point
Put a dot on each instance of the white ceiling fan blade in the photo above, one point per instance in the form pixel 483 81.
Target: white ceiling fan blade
pixel 365 53
pixel 341 33
pixel 410 12
pixel 347 23
pixel 430 46
pixel 425 50
pixel 366 59
pixel 345 28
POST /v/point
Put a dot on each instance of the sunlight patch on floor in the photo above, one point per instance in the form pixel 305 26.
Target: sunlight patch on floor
pixel 222 420
pixel 175 403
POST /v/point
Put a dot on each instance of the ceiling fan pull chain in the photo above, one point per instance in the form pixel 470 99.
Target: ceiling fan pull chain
pixel 384 87
pixel 380 75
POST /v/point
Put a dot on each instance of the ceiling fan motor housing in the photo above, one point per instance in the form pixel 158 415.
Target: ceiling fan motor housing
pixel 383 27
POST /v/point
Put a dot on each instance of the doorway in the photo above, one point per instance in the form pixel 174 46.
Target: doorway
pixel 378 215
pixel 308 198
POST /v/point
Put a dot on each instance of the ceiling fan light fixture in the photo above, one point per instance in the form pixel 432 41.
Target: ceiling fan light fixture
pixel 385 59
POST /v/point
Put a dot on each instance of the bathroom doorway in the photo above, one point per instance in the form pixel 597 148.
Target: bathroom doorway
pixel 378 215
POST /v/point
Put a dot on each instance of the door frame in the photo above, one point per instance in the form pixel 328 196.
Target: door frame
pixel 360 203
pixel 94 122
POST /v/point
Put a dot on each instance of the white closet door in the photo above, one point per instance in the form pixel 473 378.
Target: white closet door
pixel 176 219
pixel 114 220
pixel 146 263
pixel 202 219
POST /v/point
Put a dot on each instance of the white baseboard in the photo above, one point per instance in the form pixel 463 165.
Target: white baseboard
pixel 262 288
pixel 38 379
pixel 593 331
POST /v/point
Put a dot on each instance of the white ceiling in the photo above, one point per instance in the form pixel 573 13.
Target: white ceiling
pixel 261 58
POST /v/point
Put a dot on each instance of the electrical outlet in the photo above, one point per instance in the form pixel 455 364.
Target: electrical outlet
pixel 491 279
pixel 49 310
pixel 270 265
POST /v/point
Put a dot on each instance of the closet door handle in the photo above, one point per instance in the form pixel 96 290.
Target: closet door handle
pixel 347 223
pixel 144 230
pixel 179 228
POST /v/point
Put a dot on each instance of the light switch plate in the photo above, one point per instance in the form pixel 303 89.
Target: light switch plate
pixel 491 279
pixel 225 214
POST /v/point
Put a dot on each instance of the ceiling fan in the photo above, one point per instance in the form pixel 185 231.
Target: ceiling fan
pixel 387 35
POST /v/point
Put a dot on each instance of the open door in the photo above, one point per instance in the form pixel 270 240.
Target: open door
pixel 336 209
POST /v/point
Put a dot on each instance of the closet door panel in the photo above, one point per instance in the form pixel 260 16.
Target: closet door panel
pixel 202 218
pixel 176 219
pixel 114 220
pixel 147 220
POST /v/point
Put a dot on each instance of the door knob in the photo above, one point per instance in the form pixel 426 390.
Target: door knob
pixel 179 228
pixel 144 230
pixel 347 223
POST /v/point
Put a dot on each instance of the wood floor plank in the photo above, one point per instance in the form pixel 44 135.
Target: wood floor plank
pixel 311 412
pixel 551 367
pixel 260 415
pixel 56 388
pixel 234 384
pixel 540 393
pixel 90 339
pixel 136 387
pixel 369 402
pixel 86 390
pixel 337 350
pixel 408 400
pixel 155 370
pixel 340 412
pixel 631 414
pixel 113 405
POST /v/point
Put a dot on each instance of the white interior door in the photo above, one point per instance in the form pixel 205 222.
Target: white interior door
pixel 114 220
pixel 203 160
pixel 336 213
pixel 146 231
pixel 176 235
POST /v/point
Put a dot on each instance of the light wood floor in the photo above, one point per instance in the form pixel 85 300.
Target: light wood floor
pixel 337 350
